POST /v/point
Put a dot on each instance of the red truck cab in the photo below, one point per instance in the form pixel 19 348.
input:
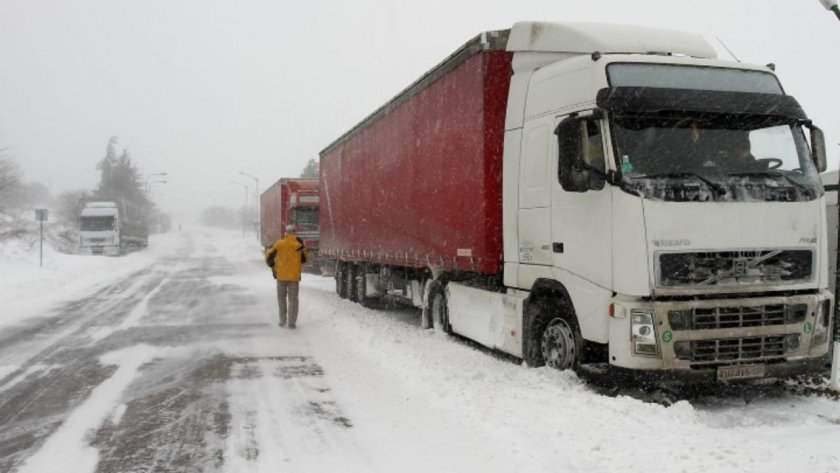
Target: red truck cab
pixel 292 201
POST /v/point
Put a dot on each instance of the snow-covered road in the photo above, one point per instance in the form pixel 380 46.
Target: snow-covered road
pixel 171 360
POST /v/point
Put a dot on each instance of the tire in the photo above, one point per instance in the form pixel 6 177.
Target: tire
pixel 439 308
pixel 341 279
pixel 350 273
pixel 361 290
pixel 561 345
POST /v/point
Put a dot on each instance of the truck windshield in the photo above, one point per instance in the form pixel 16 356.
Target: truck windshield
pixel 305 217
pixel 671 76
pixel 96 224
pixel 714 158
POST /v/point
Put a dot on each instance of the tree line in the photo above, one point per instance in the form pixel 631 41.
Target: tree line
pixel 119 179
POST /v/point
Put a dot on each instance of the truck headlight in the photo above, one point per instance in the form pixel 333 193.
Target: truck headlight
pixel 822 323
pixel 643 333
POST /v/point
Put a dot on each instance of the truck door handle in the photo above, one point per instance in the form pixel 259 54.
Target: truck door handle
pixel 557 247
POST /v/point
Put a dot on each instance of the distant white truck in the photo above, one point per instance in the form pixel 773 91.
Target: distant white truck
pixel 109 228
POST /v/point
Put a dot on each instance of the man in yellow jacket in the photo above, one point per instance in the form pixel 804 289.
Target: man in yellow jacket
pixel 286 257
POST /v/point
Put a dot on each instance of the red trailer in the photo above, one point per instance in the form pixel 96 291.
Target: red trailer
pixel 291 201
pixel 418 183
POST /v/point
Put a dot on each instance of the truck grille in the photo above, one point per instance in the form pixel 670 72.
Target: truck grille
pixel 735 349
pixel 723 268
pixel 711 318
pixel 96 240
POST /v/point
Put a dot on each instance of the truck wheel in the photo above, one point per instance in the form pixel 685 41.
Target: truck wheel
pixel 361 289
pixel 350 273
pixel 561 344
pixel 340 279
pixel 439 308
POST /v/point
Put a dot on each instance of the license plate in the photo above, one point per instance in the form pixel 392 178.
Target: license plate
pixel 740 372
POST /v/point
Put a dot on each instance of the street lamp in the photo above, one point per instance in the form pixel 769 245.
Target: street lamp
pixel 146 185
pixel 149 187
pixel 832 5
pixel 244 224
pixel 256 199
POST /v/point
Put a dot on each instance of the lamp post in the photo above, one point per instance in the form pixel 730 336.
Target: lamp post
pixel 149 187
pixel 244 224
pixel 256 200
pixel 146 185
pixel 832 5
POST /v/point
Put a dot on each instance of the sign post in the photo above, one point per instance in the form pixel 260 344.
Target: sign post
pixel 41 216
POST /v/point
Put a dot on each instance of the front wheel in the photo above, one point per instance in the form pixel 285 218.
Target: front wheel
pixel 560 344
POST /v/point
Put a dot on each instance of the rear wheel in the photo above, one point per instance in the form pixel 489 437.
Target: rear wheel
pixel 561 344
pixel 361 289
pixel 340 279
pixel 350 273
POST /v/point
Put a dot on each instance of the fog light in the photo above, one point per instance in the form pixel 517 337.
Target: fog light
pixel 680 319
pixel 682 350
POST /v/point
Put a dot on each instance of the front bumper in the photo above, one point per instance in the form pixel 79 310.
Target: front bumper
pixel 745 341
pixel 616 375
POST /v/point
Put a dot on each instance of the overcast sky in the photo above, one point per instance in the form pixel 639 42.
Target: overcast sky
pixel 204 89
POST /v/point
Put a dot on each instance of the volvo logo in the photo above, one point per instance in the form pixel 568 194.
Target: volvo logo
pixel 671 243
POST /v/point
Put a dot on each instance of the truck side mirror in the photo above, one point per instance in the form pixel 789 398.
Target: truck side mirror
pixel 574 176
pixel 818 152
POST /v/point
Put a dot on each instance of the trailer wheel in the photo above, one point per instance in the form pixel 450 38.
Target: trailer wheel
pixel 561 344
pixel 350 272
pixel 361 289
pixel 439 308
pixel 340 279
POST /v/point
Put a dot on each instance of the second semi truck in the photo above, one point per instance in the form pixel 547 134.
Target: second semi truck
pixel 291 201
pixel 597 197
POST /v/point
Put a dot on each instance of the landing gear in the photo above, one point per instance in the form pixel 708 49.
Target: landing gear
pixel 439 307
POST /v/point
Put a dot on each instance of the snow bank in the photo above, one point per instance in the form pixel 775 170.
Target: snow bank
pixel 27 289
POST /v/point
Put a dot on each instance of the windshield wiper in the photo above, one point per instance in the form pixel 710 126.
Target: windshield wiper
pixel 717 188
pixel 770 173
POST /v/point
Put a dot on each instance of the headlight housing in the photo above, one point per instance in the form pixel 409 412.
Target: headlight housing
pixel 643 332
pixel 822 323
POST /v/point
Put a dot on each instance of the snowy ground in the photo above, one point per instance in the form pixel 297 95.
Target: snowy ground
pixel 171 360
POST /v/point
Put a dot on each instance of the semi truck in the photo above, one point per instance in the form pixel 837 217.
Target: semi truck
pixel 292 201
pixel 112 228
pixel 610 199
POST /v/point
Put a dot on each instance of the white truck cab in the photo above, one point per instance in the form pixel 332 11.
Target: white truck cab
pixel 663 211
pixel 99 229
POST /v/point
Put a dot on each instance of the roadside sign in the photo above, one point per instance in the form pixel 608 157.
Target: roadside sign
pixel 41 215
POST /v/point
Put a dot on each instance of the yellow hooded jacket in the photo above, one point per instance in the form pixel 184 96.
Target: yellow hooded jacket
pixel 288 260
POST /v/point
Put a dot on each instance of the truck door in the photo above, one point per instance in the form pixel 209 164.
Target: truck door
pixel 581 220
pixel 535 184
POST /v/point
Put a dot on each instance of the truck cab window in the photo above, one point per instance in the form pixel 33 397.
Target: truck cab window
pixel 714 157
pixel 581 155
